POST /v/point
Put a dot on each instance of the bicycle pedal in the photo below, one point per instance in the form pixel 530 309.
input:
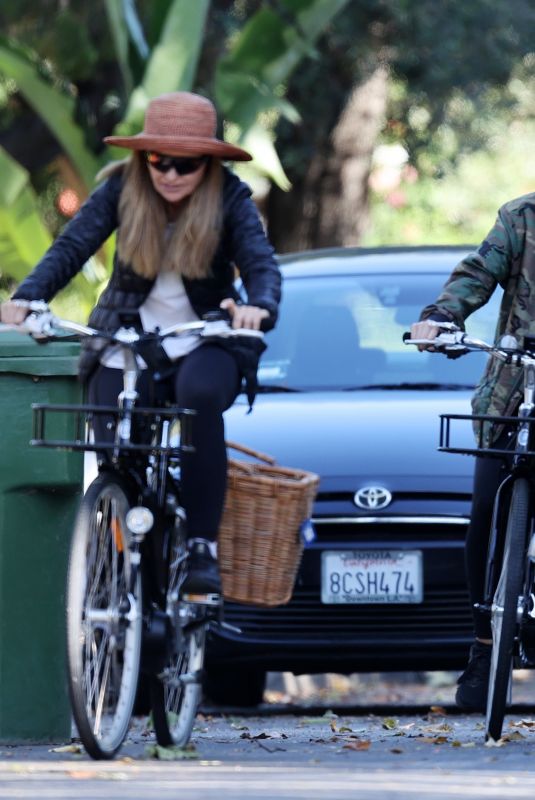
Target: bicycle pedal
pixel 208 599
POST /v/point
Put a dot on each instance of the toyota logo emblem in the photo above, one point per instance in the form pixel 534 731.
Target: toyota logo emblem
pixel 372 498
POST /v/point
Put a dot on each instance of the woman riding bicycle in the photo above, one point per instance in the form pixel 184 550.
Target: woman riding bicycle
pixel 506 257
pixel 184 221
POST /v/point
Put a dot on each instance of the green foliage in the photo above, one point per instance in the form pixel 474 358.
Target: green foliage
pixel 460 206
pixel 250 79
pixel 450 66
pixel 68 45
pixel 119 32
pixel 173 61
pixel 55 107
pixel 89 68
pixel 23 238
pixel 449 63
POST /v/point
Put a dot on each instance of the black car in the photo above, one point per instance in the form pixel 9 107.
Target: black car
pixel 382 586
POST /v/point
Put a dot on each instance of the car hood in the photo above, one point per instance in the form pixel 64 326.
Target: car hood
pixel 357 438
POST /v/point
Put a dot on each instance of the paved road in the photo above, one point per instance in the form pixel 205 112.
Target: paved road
pixel 411 753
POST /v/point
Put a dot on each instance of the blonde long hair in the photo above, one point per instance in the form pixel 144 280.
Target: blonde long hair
pixel 141 239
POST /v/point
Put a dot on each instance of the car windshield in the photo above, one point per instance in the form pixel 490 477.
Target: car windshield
pixel 345 332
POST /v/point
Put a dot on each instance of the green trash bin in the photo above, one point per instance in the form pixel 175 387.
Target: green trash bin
pixel 39 492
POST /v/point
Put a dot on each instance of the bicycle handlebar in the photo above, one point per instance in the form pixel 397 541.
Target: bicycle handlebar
pixel 454 339
pixel 42 323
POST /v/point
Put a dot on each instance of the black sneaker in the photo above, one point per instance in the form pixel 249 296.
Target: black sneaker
pixel 473 686
pixel 203 573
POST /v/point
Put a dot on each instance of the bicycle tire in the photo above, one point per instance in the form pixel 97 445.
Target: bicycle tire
pixel 504 608
pixel 103 646
pixel 176 691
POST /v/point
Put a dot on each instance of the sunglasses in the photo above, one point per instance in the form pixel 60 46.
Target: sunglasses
pixel 182 166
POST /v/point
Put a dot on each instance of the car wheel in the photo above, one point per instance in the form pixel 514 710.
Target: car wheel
pixel 234 686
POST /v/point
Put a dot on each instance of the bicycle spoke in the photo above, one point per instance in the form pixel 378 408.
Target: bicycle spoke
pixel 103 688
pixel 176 691
pixel 104 643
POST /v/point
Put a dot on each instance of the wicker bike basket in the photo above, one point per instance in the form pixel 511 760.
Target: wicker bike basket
pixel 259 545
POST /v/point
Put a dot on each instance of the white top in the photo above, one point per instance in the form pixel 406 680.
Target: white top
pixel 167 304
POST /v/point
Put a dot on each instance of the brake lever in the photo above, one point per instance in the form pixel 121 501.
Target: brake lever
pixel 39 325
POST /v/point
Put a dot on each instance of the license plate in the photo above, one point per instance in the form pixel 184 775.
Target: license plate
pixel 371 576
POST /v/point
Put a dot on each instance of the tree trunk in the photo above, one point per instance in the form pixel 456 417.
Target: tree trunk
pixel 328 207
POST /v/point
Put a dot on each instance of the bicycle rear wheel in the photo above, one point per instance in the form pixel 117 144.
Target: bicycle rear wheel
pixel 103 620
pixel 505 608
pixel 176 691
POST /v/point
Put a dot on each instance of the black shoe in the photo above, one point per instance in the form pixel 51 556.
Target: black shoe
pixel 473 686
pixel 203 573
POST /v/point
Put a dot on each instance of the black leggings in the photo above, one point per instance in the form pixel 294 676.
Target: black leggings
pixel 488 475
pixel 207 380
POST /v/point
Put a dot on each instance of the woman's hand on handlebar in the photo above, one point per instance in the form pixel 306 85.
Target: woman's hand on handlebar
pixel 244 316
pixel 13 312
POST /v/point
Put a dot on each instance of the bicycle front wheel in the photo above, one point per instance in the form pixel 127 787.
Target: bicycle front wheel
pixel 176 691
pixel 504 617
pixel 103 619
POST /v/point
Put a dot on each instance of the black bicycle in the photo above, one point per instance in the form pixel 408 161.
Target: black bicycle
pixel 128 556
pixel 510 572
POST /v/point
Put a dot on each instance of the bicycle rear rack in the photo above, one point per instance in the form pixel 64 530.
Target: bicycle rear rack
pixel 485 428
pixel 72 430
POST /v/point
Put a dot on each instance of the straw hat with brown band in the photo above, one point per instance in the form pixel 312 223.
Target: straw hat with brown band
pixel 180 124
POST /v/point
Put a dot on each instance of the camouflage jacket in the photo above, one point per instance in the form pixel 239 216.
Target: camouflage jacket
pixel 506 258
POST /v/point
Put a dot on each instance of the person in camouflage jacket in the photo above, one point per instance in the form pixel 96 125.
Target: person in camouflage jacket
pixel 506 258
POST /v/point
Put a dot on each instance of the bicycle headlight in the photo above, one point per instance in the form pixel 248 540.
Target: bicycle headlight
pixel 139 520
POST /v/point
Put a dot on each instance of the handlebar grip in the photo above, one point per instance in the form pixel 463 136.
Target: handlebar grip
pixel 217 315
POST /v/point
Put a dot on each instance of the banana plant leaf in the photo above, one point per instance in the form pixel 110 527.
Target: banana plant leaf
pixel 119 32
pixel 24 240
pixel 259 142
pixel 23 237
pixel 173 62
pixel 268 49
pixel 55 108
pixel 249 81
pixel 134 26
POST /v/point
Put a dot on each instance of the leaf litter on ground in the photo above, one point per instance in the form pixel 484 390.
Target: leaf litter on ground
pixel 172 753
pixel 75 749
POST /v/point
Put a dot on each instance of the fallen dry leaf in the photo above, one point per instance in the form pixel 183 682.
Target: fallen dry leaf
pixel 360 744
pixel 514 736
pixel 443 728
pixel 67 748
pixel 434 739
